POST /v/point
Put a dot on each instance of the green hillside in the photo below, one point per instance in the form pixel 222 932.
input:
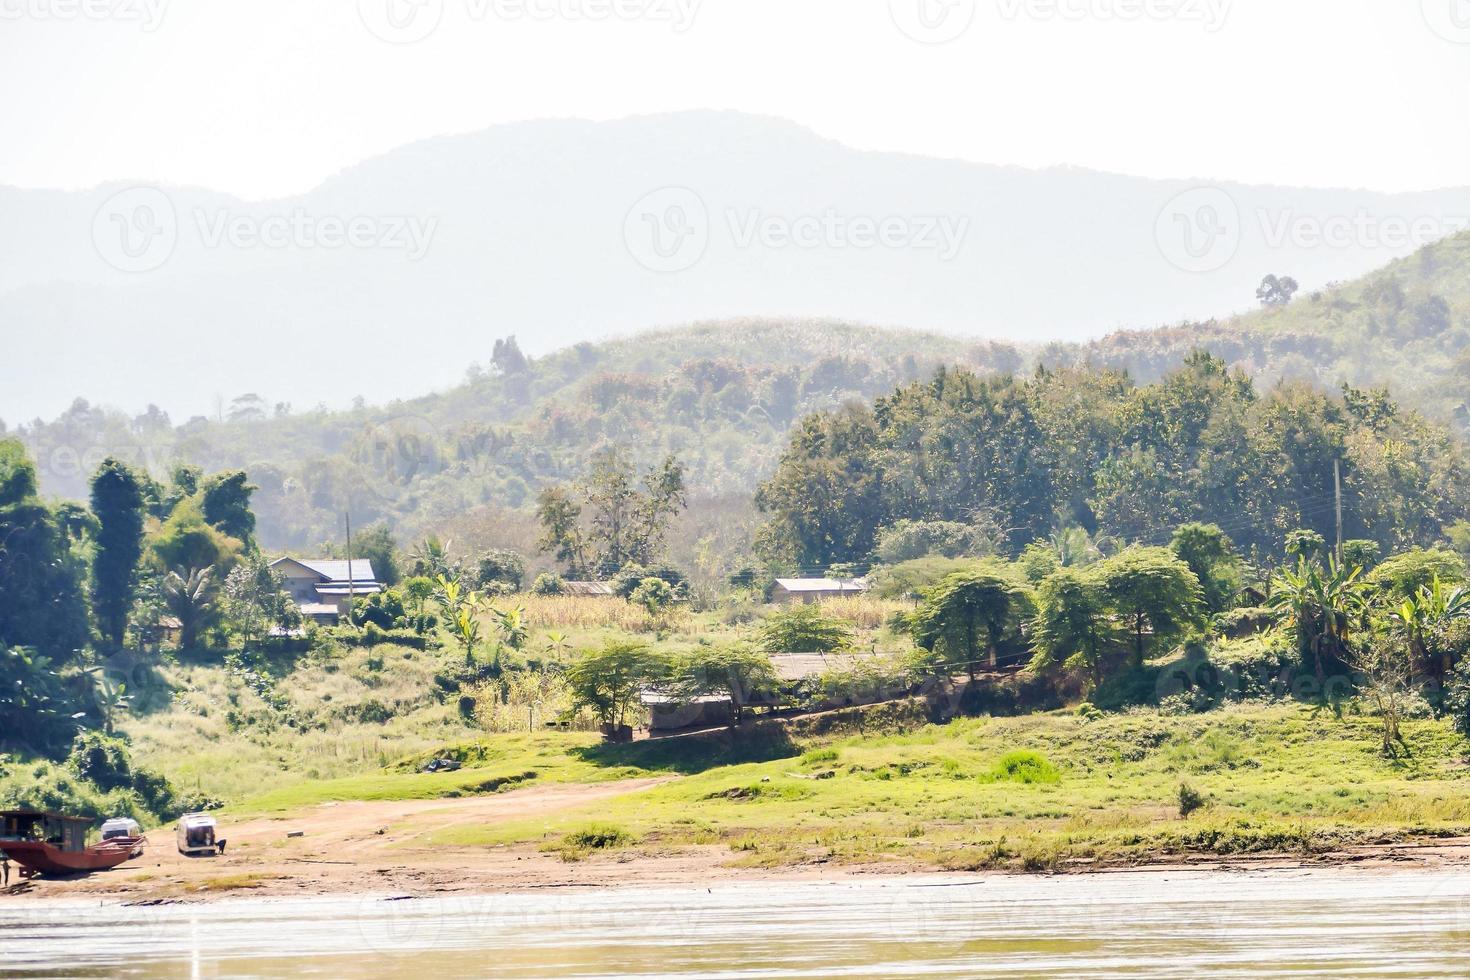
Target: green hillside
pixel 467 462
pixel 1406 326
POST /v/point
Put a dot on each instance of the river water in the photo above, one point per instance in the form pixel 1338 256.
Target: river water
pixel 1135 924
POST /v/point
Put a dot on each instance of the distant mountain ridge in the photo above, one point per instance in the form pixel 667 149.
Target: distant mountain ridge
pixel 394 275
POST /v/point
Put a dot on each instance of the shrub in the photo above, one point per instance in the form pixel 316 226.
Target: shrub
pixel 653 594
pixel 383 610
pixel 1024 767
pixel 104 761
pixel 803 629
pixel 1190 800
pixel 548 583
pixel 1457 698
pixel 499 567
pixel 627 581
pixel 598 837
pixel 373 712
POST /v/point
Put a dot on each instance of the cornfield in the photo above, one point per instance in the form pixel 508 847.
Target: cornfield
pixel 593 612
pixel 864 612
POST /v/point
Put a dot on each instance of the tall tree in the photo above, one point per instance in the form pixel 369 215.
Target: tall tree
pixel 42 600
pixel 376 544
pixel 227 505
pixel 1210 555
pixel 1154 594
pixel 970 614
pixel 1075 628
pixel 117 503
pixel 609 520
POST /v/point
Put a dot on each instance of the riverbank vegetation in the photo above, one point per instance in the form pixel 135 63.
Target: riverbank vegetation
pixel 1097 619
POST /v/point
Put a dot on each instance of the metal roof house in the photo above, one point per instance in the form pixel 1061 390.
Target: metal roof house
pixel 322 587
pixel 808 590
pixel 599 590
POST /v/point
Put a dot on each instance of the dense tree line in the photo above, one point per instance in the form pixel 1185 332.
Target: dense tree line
pixel 79 585
pixel 1017 459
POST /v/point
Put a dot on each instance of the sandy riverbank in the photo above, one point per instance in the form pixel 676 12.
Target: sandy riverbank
pixel 377 848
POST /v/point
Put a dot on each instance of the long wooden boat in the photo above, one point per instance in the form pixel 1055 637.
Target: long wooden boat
pixel 54 844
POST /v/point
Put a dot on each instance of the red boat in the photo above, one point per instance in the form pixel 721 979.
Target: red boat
pixel 53 844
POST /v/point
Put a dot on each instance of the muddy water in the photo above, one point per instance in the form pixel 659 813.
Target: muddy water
pixel 1147 924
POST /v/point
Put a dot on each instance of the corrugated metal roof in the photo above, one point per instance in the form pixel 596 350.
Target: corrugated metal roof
pixel 343 590
pixel 587 588
pixel 799 666
pixel 823 584
pixel 334 570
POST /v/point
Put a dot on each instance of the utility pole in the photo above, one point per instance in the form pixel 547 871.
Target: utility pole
pixel 1337 487
pixel 351 585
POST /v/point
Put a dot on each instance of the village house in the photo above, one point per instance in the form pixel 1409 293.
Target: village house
pixel 594 590
pixel 790 591
pixel 322 588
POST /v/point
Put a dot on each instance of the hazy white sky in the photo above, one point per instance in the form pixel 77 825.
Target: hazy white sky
pixel 267 97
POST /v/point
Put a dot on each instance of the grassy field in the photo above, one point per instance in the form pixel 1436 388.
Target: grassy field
pixel 224 733
pixel 1038 791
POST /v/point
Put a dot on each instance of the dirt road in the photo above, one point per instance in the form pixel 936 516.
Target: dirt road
pixel 363 847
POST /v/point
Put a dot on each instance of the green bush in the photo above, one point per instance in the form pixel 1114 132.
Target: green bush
pixel 803 629
pixel 548 583
pixel 1190 800
pixel 1024 767
pixel 598 837
pixel 373 712
pixel 104 761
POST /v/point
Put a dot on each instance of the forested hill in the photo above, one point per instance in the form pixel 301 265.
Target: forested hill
pixel 724 397
pixel 1406 326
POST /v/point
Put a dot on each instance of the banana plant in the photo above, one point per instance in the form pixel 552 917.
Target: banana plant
pixel 1324 605
pixel 512 626
pixel 1424 618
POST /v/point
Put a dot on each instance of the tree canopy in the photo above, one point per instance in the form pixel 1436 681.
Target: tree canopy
pixel 1091 449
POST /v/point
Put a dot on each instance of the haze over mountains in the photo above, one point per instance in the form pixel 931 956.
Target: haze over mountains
pixel 391 278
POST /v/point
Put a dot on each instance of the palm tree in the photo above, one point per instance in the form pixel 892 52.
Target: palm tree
pixel 1323 605
pixel 189 598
